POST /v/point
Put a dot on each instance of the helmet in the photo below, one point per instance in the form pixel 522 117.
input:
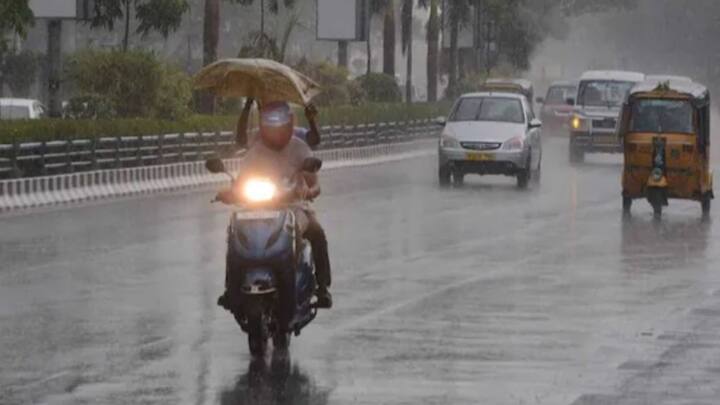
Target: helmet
pixel 276 124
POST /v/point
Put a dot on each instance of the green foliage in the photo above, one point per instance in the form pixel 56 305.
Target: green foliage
pixel 380 88
pixel 20 71
pixel 160 15
pixel 337 89
pixel 135 83
pixel 174 94
pixel 154 15
pixel 55 129
pixel 260 45
pixel 15 18
pixel 89 107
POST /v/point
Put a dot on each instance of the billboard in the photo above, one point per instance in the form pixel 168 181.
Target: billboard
pixel 62 9
pixel 342 20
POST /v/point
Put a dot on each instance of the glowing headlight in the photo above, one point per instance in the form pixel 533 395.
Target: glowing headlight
pixel 576 122
pixel 259 190
pixel 447 141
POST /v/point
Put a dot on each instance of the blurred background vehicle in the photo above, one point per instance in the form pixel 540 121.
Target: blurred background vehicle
pixel 21 109
pixel 555 112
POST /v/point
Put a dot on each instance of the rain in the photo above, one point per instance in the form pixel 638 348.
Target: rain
pixel 517 198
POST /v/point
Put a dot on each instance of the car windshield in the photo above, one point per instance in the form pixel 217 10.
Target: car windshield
pixel 558 94
pixel 501 109
pixel 606 93
pixel 670 116
pixel 14 112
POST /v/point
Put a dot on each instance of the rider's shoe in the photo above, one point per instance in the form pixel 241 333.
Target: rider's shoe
pixel 324 298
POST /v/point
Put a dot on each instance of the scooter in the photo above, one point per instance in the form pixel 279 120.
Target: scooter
pixel 270 277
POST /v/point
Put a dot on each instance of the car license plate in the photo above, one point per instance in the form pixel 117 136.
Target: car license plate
pixel 257 215
pixel 478 156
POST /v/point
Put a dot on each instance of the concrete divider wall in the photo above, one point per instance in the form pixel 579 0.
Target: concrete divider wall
pixel 35 192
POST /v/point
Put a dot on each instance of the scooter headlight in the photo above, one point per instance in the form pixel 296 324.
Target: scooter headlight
pixel 259 190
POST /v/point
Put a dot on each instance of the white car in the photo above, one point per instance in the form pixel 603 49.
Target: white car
pixel 21 109
pixel 490 133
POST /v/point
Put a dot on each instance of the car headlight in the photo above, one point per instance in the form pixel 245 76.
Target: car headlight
pixel 447 141
pixel 259 190
pixel 516 143
pixel 578 123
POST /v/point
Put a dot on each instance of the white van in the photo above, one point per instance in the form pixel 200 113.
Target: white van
pixel 21 109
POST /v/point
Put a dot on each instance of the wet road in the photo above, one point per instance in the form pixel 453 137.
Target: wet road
pixel 479 295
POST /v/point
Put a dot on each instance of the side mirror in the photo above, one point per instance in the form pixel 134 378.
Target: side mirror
pixel 540 100
pixel 215 165
pixel 312 165
pixel 535 123
pixel 570 101
pixel 441 121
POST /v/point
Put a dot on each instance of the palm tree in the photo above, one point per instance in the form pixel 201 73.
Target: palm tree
pixel 211 31
pixel 389 38
pixel 433 35
pixel 458 14
pixel 406 41
pixel 375 7
pixel 274 6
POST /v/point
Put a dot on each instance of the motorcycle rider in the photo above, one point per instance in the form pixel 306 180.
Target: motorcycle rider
pixel 277 150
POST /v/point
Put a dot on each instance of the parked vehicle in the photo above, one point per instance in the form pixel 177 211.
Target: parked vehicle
pixel 665 130
pixel 596 111
pixel 490 133
pixel 555 112
pixel 21 109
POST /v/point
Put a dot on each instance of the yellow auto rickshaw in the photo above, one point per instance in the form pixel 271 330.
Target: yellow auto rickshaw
pixel 521 86
pixel 665 131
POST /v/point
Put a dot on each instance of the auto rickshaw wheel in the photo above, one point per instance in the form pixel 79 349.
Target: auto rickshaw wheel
pixel 627 204
pixel 706 204
pixel 657 199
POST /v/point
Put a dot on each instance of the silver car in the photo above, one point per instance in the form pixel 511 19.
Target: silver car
pixel 490 133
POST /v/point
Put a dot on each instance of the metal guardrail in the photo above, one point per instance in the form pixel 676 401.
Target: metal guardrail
pixel 21 160
pixel 75 188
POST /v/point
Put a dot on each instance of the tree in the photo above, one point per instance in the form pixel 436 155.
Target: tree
pixel 133 83
pixel 15 18
pixel 211 31
pixel 389 38
pixel 154 15
pixel 274 6
pixel 20 71
pixel 458 15
pixel 406 42
pixel 432 37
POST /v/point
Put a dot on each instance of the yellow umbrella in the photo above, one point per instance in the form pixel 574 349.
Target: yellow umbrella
pixel 262 79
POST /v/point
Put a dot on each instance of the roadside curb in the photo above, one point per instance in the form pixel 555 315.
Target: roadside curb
pixel 68 189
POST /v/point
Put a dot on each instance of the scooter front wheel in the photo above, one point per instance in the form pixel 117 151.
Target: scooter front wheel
pixel 257 336
pixel 281 340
